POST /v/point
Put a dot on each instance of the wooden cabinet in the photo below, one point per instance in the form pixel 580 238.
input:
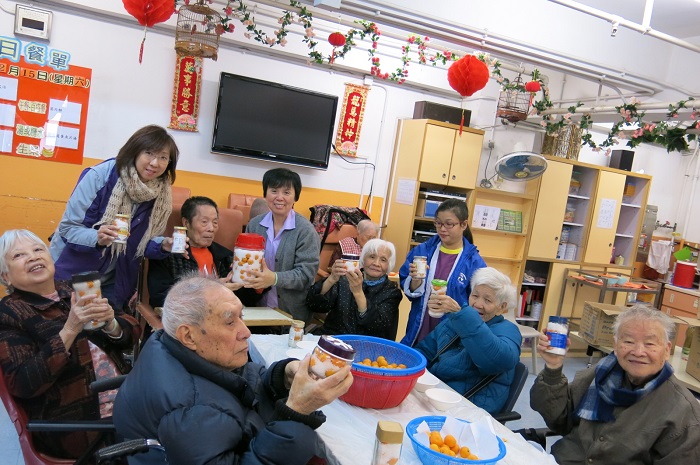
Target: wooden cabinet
pixel 432 161
pixel 599 247
pixel 448 158
pixel 585 216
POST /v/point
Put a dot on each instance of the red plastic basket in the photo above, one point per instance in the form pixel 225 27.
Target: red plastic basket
pixel 377 391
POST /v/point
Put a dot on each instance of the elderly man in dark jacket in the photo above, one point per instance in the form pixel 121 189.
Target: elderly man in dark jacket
pixel 194 390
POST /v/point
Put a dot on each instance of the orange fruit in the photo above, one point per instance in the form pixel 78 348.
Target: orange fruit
pixel 472 457
pixel 464 452
pixel 436 438
pixel 401 365
pixel 435 447
pixel 367 361
pixel 450 441
pixel 375 364
pixel 445 450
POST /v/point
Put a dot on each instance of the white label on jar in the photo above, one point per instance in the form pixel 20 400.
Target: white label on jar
pixel 421 266
pixel 179 241
pixel 557 335
pixel 123 232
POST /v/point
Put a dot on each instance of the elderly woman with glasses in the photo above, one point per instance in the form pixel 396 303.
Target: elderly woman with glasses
pixel 48 359
pixel 629 408
pixel 360 301
pixel 451 257
pixel 136 183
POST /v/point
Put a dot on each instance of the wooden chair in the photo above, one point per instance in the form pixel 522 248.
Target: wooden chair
pixel 527 333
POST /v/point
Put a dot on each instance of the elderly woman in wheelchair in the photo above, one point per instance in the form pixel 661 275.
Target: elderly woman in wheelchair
pixel 48 358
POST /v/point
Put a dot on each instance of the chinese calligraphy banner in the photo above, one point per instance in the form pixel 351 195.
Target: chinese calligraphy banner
pixel 351 115
pixel 186 90
pixel 43 102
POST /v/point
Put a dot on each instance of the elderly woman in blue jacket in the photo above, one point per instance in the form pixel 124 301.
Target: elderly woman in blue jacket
pixel 136 183
pixel 476 344
pixel 452 257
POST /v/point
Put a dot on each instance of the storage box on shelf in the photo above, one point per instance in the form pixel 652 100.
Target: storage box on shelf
pixel 683 303
pixel 428 156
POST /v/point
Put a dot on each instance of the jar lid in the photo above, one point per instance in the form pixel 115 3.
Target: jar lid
pixel 389 432
pixel 250 241
pixel 86 276
pixel 298 324
pixel 337 347
pixel 180 228
pixel 559 319
pixel 439 282
pixel 422 257
pixel 350 256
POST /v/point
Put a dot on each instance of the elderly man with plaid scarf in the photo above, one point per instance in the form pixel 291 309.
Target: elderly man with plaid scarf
pixel 629 408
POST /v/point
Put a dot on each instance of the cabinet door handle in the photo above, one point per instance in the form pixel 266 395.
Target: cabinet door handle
pixel 454 177
pixel 610 245
pixel 444 175
pixel 556 238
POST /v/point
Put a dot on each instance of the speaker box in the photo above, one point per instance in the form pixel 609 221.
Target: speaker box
pixel 622 159
pixel 437 112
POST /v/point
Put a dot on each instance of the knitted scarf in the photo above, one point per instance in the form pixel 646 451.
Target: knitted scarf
pixel 130 190
pixel 606 391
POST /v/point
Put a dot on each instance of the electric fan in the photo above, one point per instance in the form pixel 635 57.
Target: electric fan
pixel 521 166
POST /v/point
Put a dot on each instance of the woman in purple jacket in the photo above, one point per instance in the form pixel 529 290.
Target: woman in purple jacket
pixel 136 183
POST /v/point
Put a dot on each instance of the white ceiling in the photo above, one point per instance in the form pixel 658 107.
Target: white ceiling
pixel 679 18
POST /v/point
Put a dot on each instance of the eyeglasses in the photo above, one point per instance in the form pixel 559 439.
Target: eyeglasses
pixel 440 224
pixel 162 159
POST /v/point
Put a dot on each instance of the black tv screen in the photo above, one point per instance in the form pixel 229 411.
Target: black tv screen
pixel 271 121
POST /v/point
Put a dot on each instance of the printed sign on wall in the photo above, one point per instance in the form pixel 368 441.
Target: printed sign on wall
pixel 351 115
pixel 43 102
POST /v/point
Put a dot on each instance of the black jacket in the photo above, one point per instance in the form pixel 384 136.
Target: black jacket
pixel 202 413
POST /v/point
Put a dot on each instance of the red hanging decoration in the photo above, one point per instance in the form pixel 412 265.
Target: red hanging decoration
pixel 533 86
pixel 148 13
pixel 467 75
pixel 336 39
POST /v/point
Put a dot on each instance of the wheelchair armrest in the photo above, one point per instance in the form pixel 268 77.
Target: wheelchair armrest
pixel 105 426
pixel 125 449
pixel 506 416
pixel 538 435
pixel 149 315
pixel 107 384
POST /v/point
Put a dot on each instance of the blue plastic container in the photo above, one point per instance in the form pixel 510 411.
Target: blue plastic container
pixel 429 457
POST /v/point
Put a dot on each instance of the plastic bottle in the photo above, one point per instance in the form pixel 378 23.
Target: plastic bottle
pixel 387 445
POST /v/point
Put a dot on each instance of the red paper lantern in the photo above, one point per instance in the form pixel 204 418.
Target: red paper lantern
pixel 533 86
pixel 468 75
pixel 336 39
pixel 150 12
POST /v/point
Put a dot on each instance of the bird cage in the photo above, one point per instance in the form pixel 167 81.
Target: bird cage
pixel 565 143
pixel 198 31
pixel 513 102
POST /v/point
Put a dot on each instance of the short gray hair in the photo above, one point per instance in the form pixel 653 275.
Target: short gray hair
pixel 364 225
pixel 8 240
pixel 187 302
pixel 372 247
pixel 499 283
pixel 643 312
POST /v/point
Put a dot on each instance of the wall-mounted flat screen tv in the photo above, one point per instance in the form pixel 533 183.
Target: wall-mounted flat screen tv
pixel 272 121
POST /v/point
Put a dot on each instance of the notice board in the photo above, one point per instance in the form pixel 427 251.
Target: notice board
pixel 43 102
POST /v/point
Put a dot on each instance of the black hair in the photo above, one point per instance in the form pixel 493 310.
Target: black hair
pixel 282 177
pixel 460 210
pixel 189 208
pixel 151 138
